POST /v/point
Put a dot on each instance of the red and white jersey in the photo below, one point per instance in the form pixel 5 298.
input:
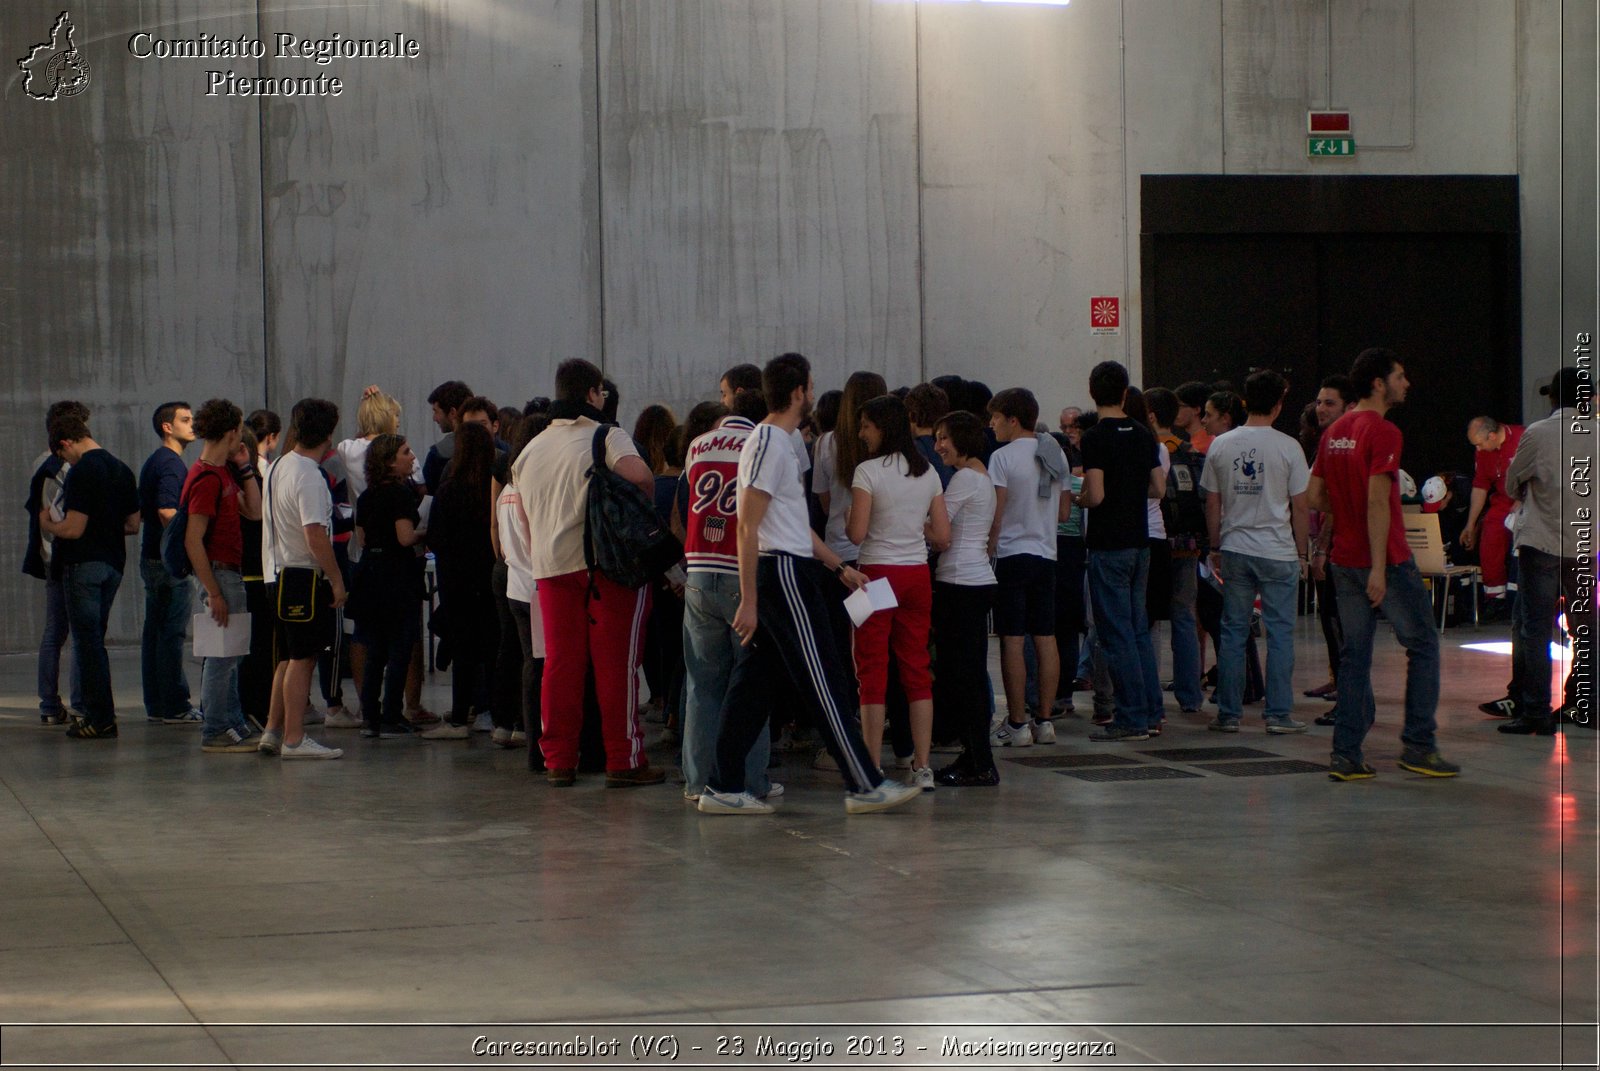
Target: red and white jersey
pixel 712 474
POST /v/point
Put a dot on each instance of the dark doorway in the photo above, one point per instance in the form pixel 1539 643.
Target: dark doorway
pixel 1302 273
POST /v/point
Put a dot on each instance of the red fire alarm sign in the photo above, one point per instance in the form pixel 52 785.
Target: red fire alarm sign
pixel 1105 316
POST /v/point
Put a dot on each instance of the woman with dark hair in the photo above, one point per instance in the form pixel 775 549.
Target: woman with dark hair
pixel 650 434
pixel 388 582
pixel 963 595
pixel 1158 588
pixel 896 509
pixel 519 670
pixel 458 532
pixel 826 413
pixel 255 672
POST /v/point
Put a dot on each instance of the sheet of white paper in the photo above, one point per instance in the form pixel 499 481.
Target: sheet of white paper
pixel 211 641
pixel 865 602
pixel 424 510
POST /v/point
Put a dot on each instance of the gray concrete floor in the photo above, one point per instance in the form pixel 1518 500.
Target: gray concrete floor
pixel 225 896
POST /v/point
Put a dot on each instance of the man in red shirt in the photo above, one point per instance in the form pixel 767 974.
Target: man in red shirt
pixel 1496 444
pixel 1354 479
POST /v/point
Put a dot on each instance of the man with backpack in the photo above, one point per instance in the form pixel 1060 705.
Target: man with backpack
pixel 222 487
pixel 588 617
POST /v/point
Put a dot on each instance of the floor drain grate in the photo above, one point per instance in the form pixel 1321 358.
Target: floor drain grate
pixel 1130 773
pixel 1207 754
pixel 1266 769
pixel 1051 762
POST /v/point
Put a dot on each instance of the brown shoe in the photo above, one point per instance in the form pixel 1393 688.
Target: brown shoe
pixel 561 778
pixel 639 775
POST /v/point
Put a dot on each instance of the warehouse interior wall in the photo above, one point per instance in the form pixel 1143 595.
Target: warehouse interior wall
pixel 670 188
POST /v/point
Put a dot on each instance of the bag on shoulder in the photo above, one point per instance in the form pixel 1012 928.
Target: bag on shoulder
pixel 174 549
pixel 297 595
pixel 624 539
pixel 1183 508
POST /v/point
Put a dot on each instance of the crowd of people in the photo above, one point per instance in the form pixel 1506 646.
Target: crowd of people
pixel 837 566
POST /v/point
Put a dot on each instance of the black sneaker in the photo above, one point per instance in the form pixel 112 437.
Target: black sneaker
pixel 1528 727
pixel 387 732
pixel 961 774
pixel 1325 719
pixel 82 730
pixel 1576 715
pixel 1343 769
pixel 52 720
pixel 1429 764
pixel 1116 734
pixel 1504 707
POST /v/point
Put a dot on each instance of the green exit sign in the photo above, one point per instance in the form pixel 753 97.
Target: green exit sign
pixel 1330 146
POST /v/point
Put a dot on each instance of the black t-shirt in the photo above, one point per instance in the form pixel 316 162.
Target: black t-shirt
pixel 378 508
pixel 1125 452
pixel 102 488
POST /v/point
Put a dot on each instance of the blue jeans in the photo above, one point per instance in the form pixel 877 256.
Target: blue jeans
pixel 1117 591
pixel 1278 582
pixel 1185 641
pixel 91 588
pixel 219 677
pixel 51 644
pixel 710 651
pixel 166 623
pixel 1410 611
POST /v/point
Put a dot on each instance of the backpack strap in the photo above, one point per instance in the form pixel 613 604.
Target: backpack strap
pixel 598 452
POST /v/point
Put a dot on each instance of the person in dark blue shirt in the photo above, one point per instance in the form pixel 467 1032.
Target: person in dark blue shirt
pixel 166 599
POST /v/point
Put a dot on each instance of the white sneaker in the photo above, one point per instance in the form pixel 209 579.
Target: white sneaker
pixel 824 761
pixel 774 791
pixel 519 738
pixel 313 716
pixel 1009 735
pixel 501 736
pixel 271 743
pixel 308 748
pixel 921 777
pixel 484 722
pixel 447 731
pixel 1044 732
pixel 340 718
pixel 714 802
pixel 887 795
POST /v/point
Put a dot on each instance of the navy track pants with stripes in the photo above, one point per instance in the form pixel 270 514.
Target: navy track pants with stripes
pixel 794 647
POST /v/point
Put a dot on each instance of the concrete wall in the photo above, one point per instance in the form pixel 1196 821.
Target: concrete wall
pixel 676 186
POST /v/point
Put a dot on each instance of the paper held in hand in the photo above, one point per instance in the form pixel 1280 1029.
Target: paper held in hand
pixel 213 641
pixel 864 602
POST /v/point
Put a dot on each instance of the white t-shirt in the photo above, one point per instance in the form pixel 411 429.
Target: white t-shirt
pixel 1256 471
pixel 297 495
pixel 969 500
pixel 768 463
pixel 517 545
pixel 1153 518
pixel 900 504
pixel 353 456
pixel 1028 525
pixel 802 456
pixel 824 483
pixel 552 477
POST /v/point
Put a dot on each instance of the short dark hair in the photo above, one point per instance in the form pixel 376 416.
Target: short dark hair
pixel 827 409
pixel 1342 384
pixel 1225 401
pixel 312 420
pixel 611 402
pixel 1108 383
pixel 1263 391
pixel 1193 394
pixel 978 396
pixel 751 404
pixel 264 422
pixel 1371 364
pixel 704 416
pixel 213 420
pixel 575 378
pixel 535 406
pixel 1163 405
pixel 742 377
pixel 67 408
pixel 965 432
pixel 166 413
pixel 1133 405
pixel 1018 403
pixel 449 395
pixel 926 405
pixel 784 374
pixel 66 426
pixel 479 404
pixel 677 447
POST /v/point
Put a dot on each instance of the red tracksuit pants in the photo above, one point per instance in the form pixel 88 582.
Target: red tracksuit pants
pixel 1494 544
pixel 603 626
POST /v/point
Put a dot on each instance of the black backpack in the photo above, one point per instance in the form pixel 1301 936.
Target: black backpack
pixel 623 537
pixel 1184 506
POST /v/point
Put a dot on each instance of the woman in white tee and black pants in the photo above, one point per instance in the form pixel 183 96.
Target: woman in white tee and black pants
pixel 963 596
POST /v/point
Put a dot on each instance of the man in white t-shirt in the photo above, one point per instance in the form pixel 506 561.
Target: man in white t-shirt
pixel 1256 512
pixel 296 538
pixel 589 619
pixel 783 617
pixel 1027 472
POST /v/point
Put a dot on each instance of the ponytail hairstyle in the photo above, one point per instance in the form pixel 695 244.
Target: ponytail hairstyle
pixel 888 415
